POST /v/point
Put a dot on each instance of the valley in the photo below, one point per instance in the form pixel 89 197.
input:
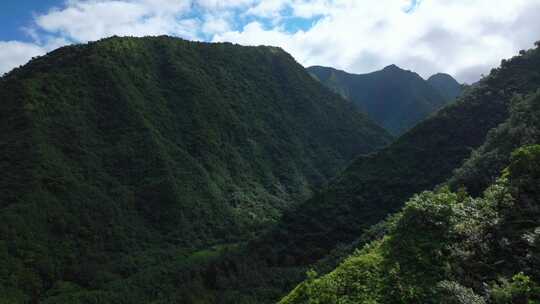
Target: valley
pixel 162 170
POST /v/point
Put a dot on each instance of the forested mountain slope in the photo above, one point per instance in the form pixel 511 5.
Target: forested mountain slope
pixel 396 99
pixel 377 185
pixel 486 162
pixel 449 247
pixel 444 247
pixel 119 154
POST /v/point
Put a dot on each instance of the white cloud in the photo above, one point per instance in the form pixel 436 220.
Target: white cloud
pixel 312 8
pixel 91 20
pixel 223 4
pixel 15 53
pixel 461 37
pixel 215 24
pixel 267 8
pixel 300 8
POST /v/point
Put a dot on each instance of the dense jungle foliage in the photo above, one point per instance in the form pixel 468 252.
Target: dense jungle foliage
pixel 394 98
pixel 522 128
pixel 376 185
pixel 156 170
pixel 448 247
pixel 127 153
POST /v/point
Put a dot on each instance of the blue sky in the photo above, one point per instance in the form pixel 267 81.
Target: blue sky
pixel 15 15
pixel 461 37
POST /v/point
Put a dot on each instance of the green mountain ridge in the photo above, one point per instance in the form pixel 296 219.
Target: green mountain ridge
pixel 446 85
pixel 124 152
pixel 394 98
pixel 157 170
pixel 377 185
pixel 448 247
pixel 325 229
pixel 485 163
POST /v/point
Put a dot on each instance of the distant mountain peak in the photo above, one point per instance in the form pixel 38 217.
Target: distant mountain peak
pixel 441 76
pixel 393 67
pixel 446 85
pixel 395 98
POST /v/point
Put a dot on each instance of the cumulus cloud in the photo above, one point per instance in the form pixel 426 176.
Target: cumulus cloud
pixel 92 20
pixel 223 4
pixel 214 24
pixel 267 9
pixel 463 38
pixel 15 53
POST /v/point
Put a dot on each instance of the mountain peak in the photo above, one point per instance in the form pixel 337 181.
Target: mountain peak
pixel 441 76
pixel 395 98
pixel 447 86
pixel 392 67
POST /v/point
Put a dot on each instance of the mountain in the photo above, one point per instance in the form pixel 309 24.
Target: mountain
pixel 377 185
pixel 484 165
pixel 358 208
pixel 446 85
pixel 394 98
pixel 123 155
pixel 436 252
pixel 450 247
